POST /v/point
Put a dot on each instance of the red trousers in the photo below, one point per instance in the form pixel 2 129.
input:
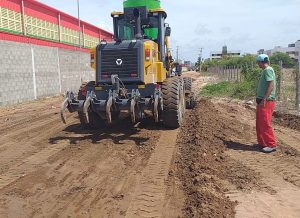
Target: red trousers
pixel 265 134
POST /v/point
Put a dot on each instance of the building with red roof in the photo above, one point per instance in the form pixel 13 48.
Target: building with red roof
pixel 30 21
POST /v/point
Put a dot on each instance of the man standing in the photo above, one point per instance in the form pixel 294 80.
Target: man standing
pixel 265 98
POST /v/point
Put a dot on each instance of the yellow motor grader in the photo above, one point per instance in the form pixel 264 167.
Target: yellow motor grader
pixel 133 72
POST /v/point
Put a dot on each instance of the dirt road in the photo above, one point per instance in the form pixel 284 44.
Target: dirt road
pixel 49 169
pixel 208 168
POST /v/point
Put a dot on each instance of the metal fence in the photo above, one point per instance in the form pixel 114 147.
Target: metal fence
pixel 286 91
pixel 230 73
pixel 288 84
pixel 298 87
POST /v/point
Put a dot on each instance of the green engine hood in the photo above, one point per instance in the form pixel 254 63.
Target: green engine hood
pixel 150 4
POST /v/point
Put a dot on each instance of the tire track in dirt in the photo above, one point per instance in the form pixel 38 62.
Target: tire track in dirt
pixel 16 117
pixel 27 141
pixel 149 195
pixel 32 129
pixel 48 169
pixel 106 188
pixel 29 165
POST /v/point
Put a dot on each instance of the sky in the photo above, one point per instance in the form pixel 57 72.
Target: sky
pixel 246 25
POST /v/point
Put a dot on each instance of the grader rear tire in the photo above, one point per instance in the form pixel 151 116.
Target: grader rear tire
pixel 190 98
pixel 188 83
pixel 173 102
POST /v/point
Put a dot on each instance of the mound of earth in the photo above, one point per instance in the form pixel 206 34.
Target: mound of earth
pixel 204 168
pixel 287 120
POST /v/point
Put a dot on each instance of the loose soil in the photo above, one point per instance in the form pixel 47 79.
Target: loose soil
pixel 208 168
pixel 205 169
pixel 287 120
pixel 224 174
pixel 53 170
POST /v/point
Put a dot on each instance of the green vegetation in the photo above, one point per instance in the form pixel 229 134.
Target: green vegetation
pixel 250 73
pixel 239 90
pixel 221 89
pixel 287 61
pixel 249 60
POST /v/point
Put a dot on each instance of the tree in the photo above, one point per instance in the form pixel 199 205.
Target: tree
pixel 198 62
pixel 287 61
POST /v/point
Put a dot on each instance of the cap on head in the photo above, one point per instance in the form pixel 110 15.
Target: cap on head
pixel 263 58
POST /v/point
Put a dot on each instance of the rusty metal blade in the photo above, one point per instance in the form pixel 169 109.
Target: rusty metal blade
pixel 85 108
pixel 62 110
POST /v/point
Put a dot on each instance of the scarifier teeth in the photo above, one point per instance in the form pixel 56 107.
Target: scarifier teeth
pixel 62 110
pixel 86 106
pixel 108 110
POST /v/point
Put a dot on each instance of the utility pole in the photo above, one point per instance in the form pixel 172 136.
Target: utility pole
pixel 200 58
pixel 23 18
pixel 79 23
pixel 177 54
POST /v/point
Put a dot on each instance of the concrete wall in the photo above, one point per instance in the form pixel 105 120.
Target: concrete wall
pixel 71 62
pixel 29 72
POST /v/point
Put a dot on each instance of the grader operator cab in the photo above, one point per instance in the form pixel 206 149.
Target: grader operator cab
pixel 133 73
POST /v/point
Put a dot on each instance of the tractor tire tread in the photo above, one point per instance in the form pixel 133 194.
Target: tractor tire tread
pixel 188 83
pixel 171 90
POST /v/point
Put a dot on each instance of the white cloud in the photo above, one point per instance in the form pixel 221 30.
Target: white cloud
pixel 202 29
pixel 225 30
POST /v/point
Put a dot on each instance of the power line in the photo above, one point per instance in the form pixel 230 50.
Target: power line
pixel 200 52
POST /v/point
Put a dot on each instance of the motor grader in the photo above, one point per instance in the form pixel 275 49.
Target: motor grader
pixel 133 73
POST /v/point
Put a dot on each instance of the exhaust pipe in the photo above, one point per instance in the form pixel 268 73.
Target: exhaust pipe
pixel 138 23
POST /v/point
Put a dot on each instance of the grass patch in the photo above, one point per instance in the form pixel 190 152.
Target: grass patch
pixel 239 90
pixel 221 89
